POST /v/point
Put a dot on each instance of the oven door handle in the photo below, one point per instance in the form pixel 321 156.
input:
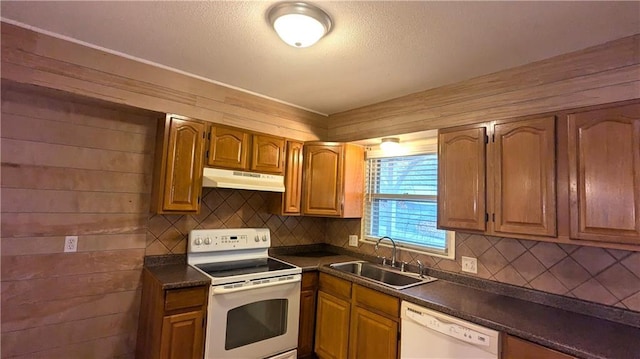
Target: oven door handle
pixel 223 290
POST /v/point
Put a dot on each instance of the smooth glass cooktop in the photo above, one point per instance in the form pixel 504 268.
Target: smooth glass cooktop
pixel 249 266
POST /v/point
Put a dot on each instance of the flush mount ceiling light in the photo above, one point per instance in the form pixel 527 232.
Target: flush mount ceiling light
pixel 390 144
pixel 299 24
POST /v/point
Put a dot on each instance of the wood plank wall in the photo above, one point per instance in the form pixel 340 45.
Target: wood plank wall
pixel 34 58
pixel 597 75
pixel 72 167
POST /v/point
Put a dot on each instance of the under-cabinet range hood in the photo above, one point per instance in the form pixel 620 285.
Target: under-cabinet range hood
pixel 214 177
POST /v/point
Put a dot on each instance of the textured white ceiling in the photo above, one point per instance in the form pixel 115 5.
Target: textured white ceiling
pixel 376 50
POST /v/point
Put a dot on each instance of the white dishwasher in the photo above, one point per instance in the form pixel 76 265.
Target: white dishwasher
pixel 429 334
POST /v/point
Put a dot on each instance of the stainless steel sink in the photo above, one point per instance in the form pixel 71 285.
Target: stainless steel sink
pixel 389 277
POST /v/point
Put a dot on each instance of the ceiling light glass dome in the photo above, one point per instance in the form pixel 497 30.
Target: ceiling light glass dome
pixel 299 24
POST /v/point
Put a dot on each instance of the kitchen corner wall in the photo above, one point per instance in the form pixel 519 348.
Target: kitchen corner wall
pixel 226 208
pixel 604 276
pixel 72 166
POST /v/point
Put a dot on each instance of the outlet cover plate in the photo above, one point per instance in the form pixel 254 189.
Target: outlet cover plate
pixel 71 243
pixel 470 265
pixel 353 240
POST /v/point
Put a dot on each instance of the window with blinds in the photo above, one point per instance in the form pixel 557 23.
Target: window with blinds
pixel 401 202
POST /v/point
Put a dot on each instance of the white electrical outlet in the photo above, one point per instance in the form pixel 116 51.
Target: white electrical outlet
pixel 353 240
pixel 470 265
pixel 71 243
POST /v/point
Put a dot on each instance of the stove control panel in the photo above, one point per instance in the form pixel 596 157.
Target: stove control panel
pixel 211 240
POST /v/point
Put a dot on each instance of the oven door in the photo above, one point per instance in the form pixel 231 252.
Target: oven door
pixel 253 320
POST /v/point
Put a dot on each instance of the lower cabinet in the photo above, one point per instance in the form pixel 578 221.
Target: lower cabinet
pixel 354 321
pixel 308 293
pixel 172 321
pixel 516 348
pixel 182 335
pixel 332 327
pixel 372 335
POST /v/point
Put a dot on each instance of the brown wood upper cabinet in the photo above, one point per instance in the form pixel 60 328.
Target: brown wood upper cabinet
pixel 604 174
pixel 237 149
pixel 519 167
pixel 524 177
pixel 333 180
pixel 177 184
pixel 228 148
pixel 461 178
pixel 268 154
pixel 289 203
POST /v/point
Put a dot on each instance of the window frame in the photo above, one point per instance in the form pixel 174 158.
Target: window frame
pixel 425 146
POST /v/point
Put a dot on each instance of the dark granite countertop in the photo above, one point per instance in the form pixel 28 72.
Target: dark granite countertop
pixel 581 335
pixel 173 272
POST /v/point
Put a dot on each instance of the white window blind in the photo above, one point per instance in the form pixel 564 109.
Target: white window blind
pixel 401 202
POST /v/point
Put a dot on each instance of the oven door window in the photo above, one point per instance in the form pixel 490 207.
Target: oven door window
pixel 255 322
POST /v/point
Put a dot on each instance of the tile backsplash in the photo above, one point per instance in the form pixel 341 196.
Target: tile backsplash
pixel 226 208
pixel 604 276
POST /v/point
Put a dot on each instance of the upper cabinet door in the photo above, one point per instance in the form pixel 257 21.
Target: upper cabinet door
pixel 461 179
pixel 524 177
pixel 604 174
pixel 268 154
pixel 292 197
pixel 228 148
pixel 323 179
pixel 184 163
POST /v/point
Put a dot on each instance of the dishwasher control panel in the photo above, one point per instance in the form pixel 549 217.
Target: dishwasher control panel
pixel 450 329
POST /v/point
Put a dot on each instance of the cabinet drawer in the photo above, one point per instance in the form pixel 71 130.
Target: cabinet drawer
pixel 336 286
pixel 185 298
pixel 376 301
pixel 516 348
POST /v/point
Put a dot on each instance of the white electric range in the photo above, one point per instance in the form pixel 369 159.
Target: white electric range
pixel 254 299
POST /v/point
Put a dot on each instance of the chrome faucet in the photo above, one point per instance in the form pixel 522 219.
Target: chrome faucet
pixel 420 268
pixel 393 251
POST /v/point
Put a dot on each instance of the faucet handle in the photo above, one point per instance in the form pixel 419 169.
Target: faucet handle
pixel 384 261
pixel 402 264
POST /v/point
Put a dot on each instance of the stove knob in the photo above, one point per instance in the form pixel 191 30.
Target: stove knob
pixel 207 241
pixel 257 239
pixel 198 241
pixel 264 237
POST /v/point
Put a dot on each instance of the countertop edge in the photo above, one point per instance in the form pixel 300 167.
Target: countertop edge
pixel 174 276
